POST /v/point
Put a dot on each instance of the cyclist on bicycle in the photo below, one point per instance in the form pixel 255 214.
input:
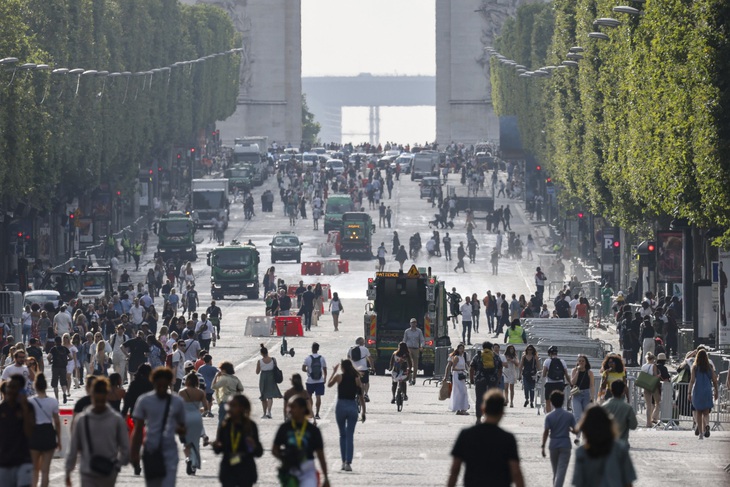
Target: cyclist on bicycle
pixel 400 367
pixel 363 362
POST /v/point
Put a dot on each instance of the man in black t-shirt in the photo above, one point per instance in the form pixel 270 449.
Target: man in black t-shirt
pixel 489 452
pixel 59 356
pixel 215 315
pixel 36 352
pixel 284 303
pixel 137 350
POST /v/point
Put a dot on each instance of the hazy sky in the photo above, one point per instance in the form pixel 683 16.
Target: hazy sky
pixel 348 37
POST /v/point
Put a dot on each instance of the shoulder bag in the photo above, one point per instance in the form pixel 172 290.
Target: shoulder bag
pixel 99 464
pixel 278 374
pixel 646 381
pixel 154 460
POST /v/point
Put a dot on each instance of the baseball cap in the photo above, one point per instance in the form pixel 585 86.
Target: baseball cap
pixel 189 363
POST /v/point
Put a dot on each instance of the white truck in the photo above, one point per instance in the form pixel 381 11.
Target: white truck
pixel 425 163
pixel 253 150
pixel 209 202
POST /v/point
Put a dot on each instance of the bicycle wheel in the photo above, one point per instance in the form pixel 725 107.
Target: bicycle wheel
pixel 359 406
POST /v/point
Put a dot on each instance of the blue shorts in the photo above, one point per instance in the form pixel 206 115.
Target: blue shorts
pixel 316 389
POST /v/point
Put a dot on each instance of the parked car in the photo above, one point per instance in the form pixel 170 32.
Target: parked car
pixel 427 183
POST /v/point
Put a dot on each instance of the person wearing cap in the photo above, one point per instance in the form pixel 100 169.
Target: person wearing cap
pixel 554 379
pixel 414 340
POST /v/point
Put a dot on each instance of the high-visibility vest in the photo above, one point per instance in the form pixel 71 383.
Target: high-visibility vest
pixel 138 249
pixel 515 336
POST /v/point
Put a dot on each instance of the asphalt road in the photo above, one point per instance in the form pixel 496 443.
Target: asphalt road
pixel 410 448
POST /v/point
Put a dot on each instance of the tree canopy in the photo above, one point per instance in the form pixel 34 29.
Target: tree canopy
pixel 64 134
pixel 641 128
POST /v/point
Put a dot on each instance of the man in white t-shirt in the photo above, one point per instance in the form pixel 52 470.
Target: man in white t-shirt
pixel 136 314
pixel 316 368
pixel 62 322
pixel 363 362
pixel 573 303
pixel 204 330
pixel 178 363
pixel 192 347
pixel 19 367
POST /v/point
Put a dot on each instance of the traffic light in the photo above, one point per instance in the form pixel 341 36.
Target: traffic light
pixel 538 168
pixel 71 217
pixel 580 215
pixel 119 194
pixel 159 169
pixel 651 253
pixel 179 156
pixel 548 180
pixel 20 235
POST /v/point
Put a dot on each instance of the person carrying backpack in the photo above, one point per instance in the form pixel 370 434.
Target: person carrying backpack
pixel 363 362
pixel 556 375
pixel 316 368
pixel 485 370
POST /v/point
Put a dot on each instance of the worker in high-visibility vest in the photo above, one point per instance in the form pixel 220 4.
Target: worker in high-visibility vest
pixel 515 333
pixel 137 253
pixel 126 248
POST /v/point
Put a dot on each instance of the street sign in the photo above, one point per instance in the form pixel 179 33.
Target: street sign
pixel 413 271
pixel 550 190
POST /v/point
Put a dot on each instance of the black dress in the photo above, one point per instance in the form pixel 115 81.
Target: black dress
pixel 242 473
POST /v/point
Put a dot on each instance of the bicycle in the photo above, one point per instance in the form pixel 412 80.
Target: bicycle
pixel 399 396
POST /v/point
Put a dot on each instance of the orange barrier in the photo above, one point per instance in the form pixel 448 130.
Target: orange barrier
pixel 290 326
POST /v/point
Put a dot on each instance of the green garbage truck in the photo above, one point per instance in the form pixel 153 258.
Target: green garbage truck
pixel 175 236
pixel 234 271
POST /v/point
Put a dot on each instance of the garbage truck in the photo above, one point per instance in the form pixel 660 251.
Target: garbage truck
pixel 357 236
pixel 175 236
pixel 209 202
pixel 393 299
pixel 234 270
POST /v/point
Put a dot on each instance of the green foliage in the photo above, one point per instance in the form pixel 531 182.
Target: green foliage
pixel 641 130
pixel 310 128
pixel 57 141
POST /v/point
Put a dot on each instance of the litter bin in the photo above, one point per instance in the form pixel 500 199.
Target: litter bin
pixel 66 415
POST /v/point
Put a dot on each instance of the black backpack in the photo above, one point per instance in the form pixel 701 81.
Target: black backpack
pixel 556 370
pixel 316 367
pixel 356 354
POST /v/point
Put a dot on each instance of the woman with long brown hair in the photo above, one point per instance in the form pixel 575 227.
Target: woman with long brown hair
pixel 46 433
pixel 529 365
pixel 703 380
pixel 459 400
pixel 349 393
pixel 400 366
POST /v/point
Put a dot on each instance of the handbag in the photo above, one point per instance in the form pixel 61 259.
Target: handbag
pixel 154 460
pixel 574 391
pixel 444 390
pixel 278 374
pixel 648 382
pixel 461 376
pixel 99 464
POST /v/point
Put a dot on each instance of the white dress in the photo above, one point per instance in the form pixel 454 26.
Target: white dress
pixel 509 370
pixel 459 400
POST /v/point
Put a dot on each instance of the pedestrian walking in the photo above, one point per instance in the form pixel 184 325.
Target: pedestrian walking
pixel 267 381
pixel 528 373
pixel 159 417
pixel 459 400
pixel 494 260
pixel 460 254
pixel 602 459
pixel 496 461
pixel 401 256
pixel 583 390
pixel 510 367
pixel 226 385
pixel 316 368
pixel 349 394
pixel 46 436
pixel 555 372
pixel 623 414
pixel 296 444
pixel 466 315
pixel 336 308
pixel 194 400
pixel 652 399
pixel 101 437
pixel 484 372
pixel 238 442
pixel 559 423
pixel 703 380
pixel 381 256
pixel 447 246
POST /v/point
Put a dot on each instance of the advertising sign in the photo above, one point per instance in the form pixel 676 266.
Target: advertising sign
pixel 669 262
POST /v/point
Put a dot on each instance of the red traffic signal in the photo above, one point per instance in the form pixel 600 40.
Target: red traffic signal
pixel 616 244
pixel 179 156
pixel 580 214
pixel 539 168
pixel 651 247
pixel 192 150
pixel 549 180
pixel 71 215
pixel 150 172
pixel 159 168
pixel 119 193
pixel 20 234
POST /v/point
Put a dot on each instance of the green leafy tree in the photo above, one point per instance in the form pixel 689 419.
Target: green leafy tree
pixel 310 127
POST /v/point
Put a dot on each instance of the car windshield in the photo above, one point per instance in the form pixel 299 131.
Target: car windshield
pixel 208 200
pixel 339 207
pixel 283 241
pixel 40 298
pixel 181 227
pixel 93 281
pixel 238 173
pixel 233 259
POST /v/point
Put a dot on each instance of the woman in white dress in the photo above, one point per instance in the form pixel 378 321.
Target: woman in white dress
pixel 509 372
pixel 459 401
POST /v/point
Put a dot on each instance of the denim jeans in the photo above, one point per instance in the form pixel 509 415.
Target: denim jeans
pixel 528 384
pixel 346 415
pixel 466 332
pixel 581 401
pixel 490 321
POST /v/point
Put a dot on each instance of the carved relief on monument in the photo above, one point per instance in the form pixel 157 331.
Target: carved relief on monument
pixel 495 13
pixel 242 22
